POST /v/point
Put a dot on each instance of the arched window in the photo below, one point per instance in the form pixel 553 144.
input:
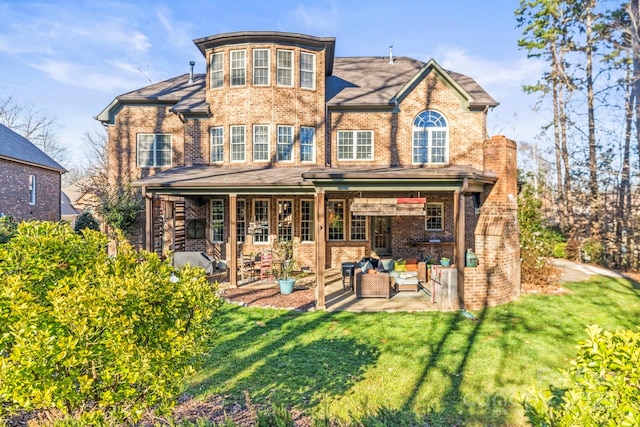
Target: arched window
pixel 430 138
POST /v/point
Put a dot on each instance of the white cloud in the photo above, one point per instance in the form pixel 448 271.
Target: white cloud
pixel 322 18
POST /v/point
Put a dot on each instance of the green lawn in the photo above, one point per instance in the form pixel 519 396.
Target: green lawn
pixel 440 365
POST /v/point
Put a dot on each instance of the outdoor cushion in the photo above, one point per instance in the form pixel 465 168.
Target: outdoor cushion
pixel 366 267
pixel 387 264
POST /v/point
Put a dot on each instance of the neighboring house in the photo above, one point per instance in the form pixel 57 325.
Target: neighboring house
pixel 30 179
pixel 349 157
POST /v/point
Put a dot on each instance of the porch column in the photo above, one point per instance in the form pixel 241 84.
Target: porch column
pixel 459 247
pixel 148 221
pixel 233 240
pixel 321 248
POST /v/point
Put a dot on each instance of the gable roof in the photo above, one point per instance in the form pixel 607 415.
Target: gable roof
pixel 17 148
pixel 375 81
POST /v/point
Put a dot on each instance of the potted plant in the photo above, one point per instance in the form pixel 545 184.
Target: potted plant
pixel 284 264
pixel 445 262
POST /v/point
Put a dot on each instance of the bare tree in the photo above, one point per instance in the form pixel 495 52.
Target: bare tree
pixel 35 125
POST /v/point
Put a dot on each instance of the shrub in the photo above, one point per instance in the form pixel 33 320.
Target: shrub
pixel 602 385
pixel 8 227
pixel 86 220
pixel 560 250
pixel 593 251
pixel 85 333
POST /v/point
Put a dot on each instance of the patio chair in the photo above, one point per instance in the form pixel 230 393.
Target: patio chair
pixel 266 266
pixel 246 265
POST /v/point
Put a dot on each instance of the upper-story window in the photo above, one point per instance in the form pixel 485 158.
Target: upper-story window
pixel 285 68
pixel 32 189
pixel 238 67
pixel 285 144
pixel 217 70
pixel 153 150
pixel 261 143
pixel 430 138
pixel 261 67
pixel 307 144
pixel 217 144
pixel 355 145
pixel 238 144
pixel 307 70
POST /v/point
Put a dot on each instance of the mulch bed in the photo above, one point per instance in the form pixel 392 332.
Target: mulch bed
pixel 301 299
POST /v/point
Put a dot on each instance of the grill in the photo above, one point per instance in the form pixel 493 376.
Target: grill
pixel 348 272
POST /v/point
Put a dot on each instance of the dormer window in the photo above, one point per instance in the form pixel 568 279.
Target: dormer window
pixel 307 70
pixel 285 68
pixel 430 138
pixel 238 67
pixel 261 67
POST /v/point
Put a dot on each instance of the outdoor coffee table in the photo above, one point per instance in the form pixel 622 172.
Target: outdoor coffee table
pixel 408 284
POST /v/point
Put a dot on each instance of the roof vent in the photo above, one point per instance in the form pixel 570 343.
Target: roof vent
pixel 191 63
pixel 391 54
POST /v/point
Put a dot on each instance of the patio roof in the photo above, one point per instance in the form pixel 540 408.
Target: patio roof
pixel 208 179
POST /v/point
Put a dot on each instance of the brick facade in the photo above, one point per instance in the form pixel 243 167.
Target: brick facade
pixel 489 216
pixel 14 197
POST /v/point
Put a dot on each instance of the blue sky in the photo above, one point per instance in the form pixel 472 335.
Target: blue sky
pixel 71 58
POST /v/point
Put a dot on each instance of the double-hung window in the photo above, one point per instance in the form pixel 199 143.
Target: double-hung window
pixel 261 67
pixel 307 221
pixel 434 219
pixel 307 144
pixel 217 70
pixel 261 216
pixel 285 68
pixel 217 220
pixel 241 220
pixel 355 145
pixel 335 219
pixel 238 148
pixel 358 227
pixel 153 150
pixel 430 138
pixel 216 135
pixel 307 70
pixel 285 144
pixel 285 220
pixel 238 67
pixel 260 143
pixel 32 189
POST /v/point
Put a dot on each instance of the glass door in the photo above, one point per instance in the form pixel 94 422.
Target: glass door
pixel 381 235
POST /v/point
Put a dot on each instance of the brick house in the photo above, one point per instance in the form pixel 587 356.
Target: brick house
pixel 30 179
pixel 349 157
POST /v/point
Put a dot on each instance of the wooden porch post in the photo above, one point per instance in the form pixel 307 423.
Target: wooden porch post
pixel 148 220
pixel 459 247
pixel 233 240
pixel 321 248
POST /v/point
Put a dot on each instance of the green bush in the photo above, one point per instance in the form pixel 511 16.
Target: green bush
pixel 560 250
pixel 95 337
pixel 593 251
pixel 602 386
pixel 86 220
pixel 8 228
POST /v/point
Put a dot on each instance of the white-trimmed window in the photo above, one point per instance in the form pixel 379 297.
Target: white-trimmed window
pixel 307 70
pixel 358 227
pixel 261 67
pixel 153 150
pixel 217 220
pixel 217 70
pixel 260 143
pixel 216 135
pixel 32 189
pixel 285 144
pixel 261 217
pixel 307 144
pixel 355 145
pixel 307 221
pixel 285 220
pixel 238 67
pixel 241 220
pixel 238 147
pixel 335 219
pixel 284 68
pixel 434 219
pixel 430 138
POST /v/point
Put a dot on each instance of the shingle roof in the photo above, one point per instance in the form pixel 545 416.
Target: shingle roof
pixel 15 147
